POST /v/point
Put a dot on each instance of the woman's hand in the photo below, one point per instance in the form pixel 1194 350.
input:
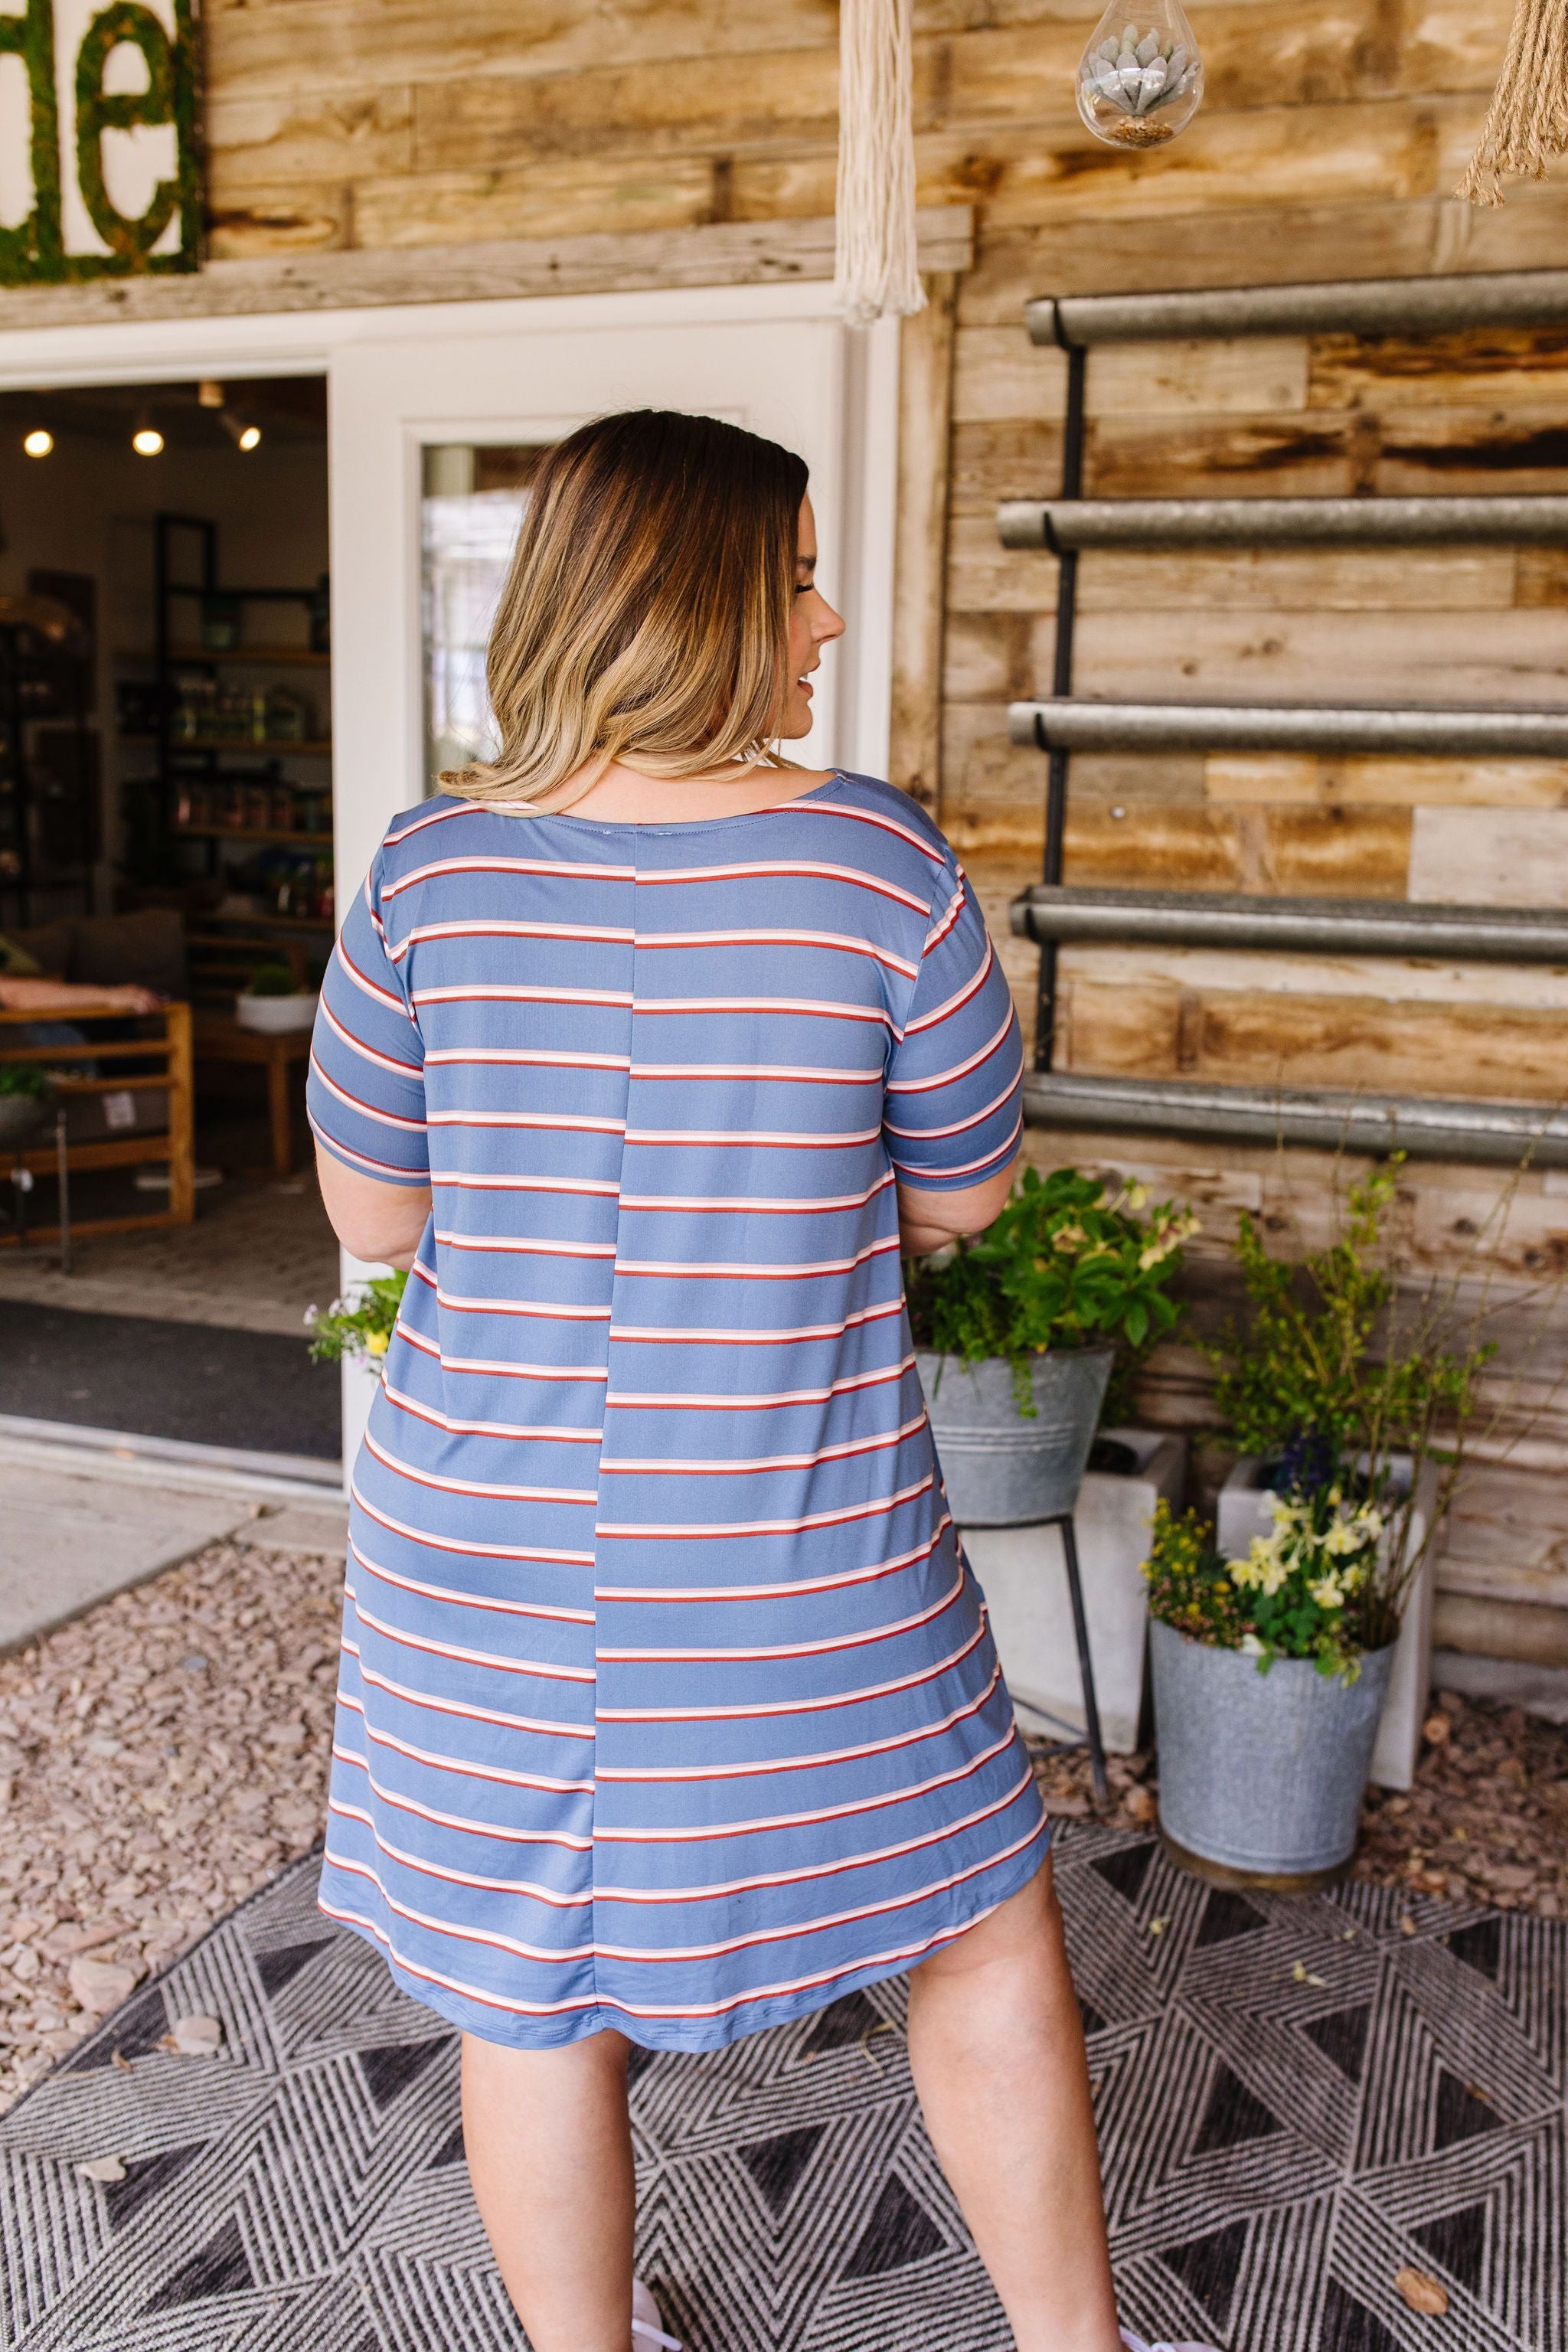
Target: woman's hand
pixel 929 1220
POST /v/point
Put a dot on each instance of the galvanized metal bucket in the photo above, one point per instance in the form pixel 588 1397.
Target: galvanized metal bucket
pixel 20 1117
pixel 1262 1774
pixel 1001 1469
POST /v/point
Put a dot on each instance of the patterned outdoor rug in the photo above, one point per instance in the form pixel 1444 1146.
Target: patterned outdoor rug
pixel 1297 2099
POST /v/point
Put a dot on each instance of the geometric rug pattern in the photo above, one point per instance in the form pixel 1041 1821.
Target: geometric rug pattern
pixel 1297 2099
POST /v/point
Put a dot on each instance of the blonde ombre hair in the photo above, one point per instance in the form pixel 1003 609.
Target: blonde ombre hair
pixel 646 611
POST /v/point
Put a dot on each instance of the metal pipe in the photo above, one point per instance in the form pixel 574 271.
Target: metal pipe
pixel 1367 306
pixel 1067 525
pixel 1077 726
pixel 1061 684
pixel 1484 1132
pixel 1297 926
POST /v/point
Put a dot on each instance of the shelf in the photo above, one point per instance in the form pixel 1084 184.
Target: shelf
pixel 274 922
pixel 1511 519
pixel 235 743
pixel 1428 1128
pixel 1293 926
pixel 249 832
pixel 1366 306
pixel 252 656
pixel 1066 723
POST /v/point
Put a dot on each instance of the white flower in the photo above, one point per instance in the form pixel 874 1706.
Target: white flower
pixel 1251 1644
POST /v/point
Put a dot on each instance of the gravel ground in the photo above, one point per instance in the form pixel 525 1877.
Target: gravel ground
pixel 1485 1821
pixel 163 1757
pixel 159 1760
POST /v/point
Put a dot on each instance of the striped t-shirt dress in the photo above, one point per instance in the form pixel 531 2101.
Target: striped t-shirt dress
pixel 667 1701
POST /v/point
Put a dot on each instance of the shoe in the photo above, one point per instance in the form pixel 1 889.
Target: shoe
pixel 645 2327
pixel 1136 2343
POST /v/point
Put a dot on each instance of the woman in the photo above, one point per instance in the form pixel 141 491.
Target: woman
pixel 668 1710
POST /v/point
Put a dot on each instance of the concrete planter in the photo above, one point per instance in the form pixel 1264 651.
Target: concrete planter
pixel 1262 1774
pixel 1023 1577
pixel 1001 1469
pixel 1245 1510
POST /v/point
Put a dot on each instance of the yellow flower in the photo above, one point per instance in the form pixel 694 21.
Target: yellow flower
pixel 1327 1593
pixel 376 1343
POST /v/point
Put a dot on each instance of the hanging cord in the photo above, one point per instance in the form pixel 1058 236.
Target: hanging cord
pixel 1527 122
pixel 878 273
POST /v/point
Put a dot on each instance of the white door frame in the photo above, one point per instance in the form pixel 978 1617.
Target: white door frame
pixel 315 343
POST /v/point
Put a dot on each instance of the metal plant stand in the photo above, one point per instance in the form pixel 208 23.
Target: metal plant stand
pixel 1062 724
pixel 22 1185
pixel 1094 1742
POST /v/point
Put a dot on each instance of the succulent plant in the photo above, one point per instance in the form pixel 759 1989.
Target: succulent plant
pixel 1140 71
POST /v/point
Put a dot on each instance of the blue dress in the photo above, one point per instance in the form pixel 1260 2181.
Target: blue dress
pixel 667 1701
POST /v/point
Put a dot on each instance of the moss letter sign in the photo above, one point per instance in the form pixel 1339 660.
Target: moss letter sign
pixel 98 169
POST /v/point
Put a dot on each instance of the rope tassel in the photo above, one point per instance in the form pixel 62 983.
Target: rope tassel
pixel 877 271
pixel 1527 122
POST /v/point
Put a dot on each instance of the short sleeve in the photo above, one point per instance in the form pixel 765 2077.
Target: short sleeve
pixel 365 1094
pixel 954 1092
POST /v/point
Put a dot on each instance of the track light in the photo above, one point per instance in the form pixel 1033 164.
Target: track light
pixel 244 436
pixel 38 443
pixel 147 441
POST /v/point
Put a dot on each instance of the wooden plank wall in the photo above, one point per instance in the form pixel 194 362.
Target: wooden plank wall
pixel 1333 131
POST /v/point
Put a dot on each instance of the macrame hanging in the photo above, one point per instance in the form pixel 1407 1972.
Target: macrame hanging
pixel 1527 122
pixel 877 274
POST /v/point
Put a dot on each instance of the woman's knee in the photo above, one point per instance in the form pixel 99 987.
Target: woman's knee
pixel 1021 1929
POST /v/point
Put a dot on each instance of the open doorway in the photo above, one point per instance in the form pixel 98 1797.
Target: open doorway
pixel 165 824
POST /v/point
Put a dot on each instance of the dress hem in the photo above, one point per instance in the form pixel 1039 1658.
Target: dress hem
pixel 687 2034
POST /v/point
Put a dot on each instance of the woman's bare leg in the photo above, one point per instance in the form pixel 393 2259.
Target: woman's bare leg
pixel 550 2154
pixel 996 2045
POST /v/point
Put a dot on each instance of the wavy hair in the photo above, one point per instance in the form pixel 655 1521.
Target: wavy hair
pixel 646 610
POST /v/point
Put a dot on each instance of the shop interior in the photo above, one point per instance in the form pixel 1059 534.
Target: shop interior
pixel 166 825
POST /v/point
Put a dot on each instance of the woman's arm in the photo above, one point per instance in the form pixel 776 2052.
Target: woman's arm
pixel 69 996
pixel 380 1224
pixel 929 1220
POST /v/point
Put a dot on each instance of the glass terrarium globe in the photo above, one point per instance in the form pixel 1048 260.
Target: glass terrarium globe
pixel 1141 79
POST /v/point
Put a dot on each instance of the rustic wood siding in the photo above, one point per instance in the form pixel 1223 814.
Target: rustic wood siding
pixel 1332 132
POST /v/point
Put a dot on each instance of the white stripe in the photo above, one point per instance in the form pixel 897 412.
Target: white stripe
pixel 759 1653
pixel 695 1530
pixel 759 1825
pixel 788 1590
pixel 824 1760
pixel 456 1600
pixel 548 1784
pixel 491 1661
pixel 575 1497
pixel 764 1400
pixel 722 1467
pixel 549 1556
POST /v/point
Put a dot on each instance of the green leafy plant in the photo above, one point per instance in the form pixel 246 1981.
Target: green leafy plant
pixel 1068 1262
pixel 273 979
pixel 25 1079
pixel 1365 1392
pixel 1316 1359
pixel 362 1326
pixel 1310 1589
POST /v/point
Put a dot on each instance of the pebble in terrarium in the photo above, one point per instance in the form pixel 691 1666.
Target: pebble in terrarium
pixel 1141 79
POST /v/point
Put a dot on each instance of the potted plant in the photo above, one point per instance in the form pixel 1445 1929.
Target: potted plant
pixel 1273 1653
pixel 25 1092
pixel 360 1327
pixel 275 1002
pixel 1016 1332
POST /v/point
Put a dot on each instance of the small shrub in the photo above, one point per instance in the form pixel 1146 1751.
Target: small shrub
pixel 1068 1262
